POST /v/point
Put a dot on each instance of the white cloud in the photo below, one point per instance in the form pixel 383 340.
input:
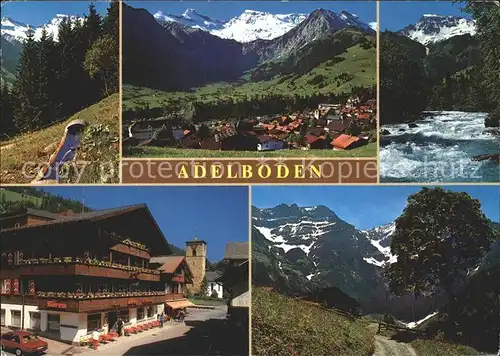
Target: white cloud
pixel 373 25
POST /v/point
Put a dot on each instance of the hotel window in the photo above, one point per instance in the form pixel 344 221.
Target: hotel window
pixel 93 321
pixel 35 320
pixel 17 225
pixel 2 317
pixel 54 322
pixel 151 311
pixel 15 316
pixel 140 313
pixel 3 287
pixel 124 315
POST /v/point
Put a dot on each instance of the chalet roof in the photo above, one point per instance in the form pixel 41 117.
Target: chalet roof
pixel 363 116
pixel 337 125
pixel 153 230
pixel 344 141
pixel 92 216
pixel 43 214
pixel 265 138
pixel 311 138
pixel 169 264
pixel 211 276
pixel 236 251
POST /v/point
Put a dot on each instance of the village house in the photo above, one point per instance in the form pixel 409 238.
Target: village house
pixel 315 142
pixel 236 282
pixel 214 286
pixel 346 142
pixel 268 143
pixel 65 275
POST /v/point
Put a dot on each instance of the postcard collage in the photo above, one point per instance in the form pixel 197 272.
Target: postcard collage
pixel 300 178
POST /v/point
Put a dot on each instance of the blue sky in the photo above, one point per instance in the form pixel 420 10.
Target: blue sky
pixel 365 206
pixel 214 214
pixel 37 13
pixel 395 15
pixel 224 10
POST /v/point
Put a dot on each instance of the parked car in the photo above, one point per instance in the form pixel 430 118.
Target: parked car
pixel 23 343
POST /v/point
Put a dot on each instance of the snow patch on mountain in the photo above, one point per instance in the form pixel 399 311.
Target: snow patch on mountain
pixel 378 237
pixel 414 324
pixel 433 28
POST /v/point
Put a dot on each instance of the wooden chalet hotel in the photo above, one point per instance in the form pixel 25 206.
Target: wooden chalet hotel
pixel 65 275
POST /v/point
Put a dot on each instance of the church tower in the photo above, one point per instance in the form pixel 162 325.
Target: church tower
pixel 196 255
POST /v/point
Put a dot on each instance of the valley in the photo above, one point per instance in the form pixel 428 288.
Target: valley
pixel 216 74
pixel 311 254
pixel 445 125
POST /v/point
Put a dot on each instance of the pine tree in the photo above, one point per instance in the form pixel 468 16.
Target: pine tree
pixel 91 29
pixel 7 127
pixel 26 114
pixel 46 80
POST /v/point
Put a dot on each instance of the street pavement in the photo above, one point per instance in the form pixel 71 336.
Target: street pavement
pixel 203 332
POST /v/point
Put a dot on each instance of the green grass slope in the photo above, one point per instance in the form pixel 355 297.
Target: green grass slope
pixel 353 68
pixel 441 348
pixel 9 195
pixel 284 326
pixel 98 157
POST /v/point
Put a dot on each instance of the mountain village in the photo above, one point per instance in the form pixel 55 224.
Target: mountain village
pixel 330 126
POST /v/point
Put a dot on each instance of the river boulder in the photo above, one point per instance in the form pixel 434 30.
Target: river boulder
pixel 412 125
pixel 495 157
pixel 492 121
pixel 385 132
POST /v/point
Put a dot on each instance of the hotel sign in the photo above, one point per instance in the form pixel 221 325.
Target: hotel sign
pixel 56 305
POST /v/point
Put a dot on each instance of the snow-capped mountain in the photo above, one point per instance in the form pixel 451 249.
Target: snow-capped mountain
pixel 292 227
pixel 13 30
pixel 252 25
pixel 434 28
pixel 192 19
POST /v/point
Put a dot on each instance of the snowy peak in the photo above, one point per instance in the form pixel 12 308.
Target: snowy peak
pixel 252 25
pixel 337 21
pixel 17 31
pixel 13 30
pixel 433 28
pixel 190 18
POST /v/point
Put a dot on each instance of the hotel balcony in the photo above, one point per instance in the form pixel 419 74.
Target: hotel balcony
pixel 60 267
pixel 70 302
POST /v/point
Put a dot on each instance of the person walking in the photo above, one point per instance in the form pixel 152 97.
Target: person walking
pixel 162 320
pixel 119 327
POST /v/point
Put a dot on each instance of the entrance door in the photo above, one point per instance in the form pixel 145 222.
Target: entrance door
pixel 112 318
pixel 54 322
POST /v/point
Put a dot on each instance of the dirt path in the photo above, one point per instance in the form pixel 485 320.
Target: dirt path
pixel 387 347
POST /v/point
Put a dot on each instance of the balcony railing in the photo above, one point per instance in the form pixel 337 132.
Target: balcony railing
pixel 102 303
pixel 76 266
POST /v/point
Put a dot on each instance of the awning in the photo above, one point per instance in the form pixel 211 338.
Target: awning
pixel 180 304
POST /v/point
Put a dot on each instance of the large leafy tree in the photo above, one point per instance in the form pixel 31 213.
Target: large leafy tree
pixel 440 237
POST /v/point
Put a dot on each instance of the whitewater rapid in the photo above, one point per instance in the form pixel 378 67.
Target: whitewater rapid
pixel 440 149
